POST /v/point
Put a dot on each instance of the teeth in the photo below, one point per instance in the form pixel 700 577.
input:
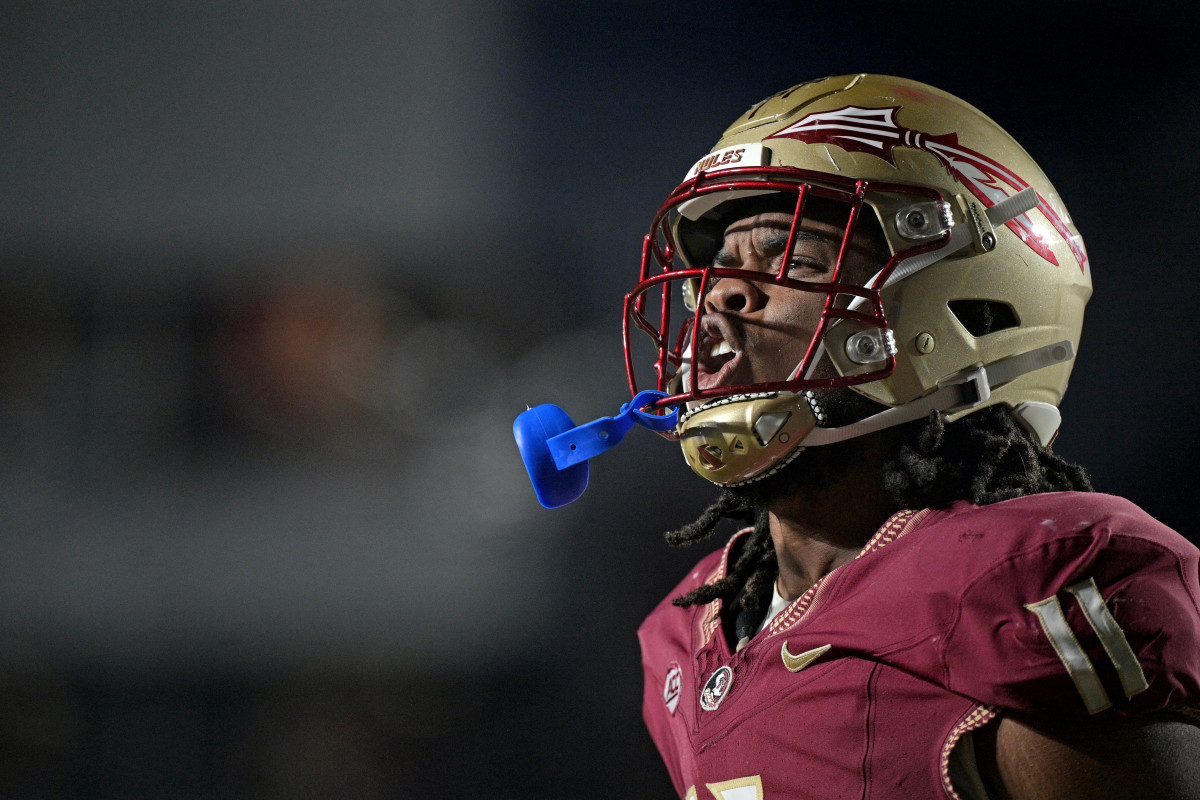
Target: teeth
pixel 721 348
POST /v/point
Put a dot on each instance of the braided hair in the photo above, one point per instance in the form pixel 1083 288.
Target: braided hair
pixel 753 567
pixel 985 457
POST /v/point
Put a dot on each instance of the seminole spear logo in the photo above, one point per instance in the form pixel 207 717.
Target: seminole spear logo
pixel 875 131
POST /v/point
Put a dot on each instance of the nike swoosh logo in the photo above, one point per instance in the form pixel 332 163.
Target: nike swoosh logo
pixel 799 662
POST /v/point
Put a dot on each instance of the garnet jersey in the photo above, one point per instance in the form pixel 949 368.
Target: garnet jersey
pixel 1063 605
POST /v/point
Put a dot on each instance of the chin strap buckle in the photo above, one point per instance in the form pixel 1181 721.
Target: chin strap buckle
pixel 977 382
pixel 974 388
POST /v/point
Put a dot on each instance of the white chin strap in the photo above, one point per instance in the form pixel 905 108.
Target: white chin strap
pixel 969 389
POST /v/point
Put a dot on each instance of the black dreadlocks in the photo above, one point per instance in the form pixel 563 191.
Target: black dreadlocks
pixel 985 457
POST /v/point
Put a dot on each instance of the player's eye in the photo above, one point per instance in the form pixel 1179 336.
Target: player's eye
pixel 807 266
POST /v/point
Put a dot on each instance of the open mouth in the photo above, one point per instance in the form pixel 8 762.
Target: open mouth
pixel 720 355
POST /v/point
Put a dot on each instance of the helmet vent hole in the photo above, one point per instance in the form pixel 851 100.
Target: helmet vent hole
pixel 981 317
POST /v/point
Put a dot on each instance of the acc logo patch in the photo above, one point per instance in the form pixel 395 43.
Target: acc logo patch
pixel 672 687
pixel 716 689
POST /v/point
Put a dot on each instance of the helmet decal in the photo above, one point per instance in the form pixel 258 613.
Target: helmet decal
pixel 875 131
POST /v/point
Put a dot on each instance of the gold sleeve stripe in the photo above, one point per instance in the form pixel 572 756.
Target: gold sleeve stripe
pixel 1079 666
pixel 1087 594
pixel 739 789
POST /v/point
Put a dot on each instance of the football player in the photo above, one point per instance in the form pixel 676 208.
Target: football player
pixel 866 302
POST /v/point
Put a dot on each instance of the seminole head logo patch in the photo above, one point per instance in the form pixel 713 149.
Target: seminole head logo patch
pixel 716 689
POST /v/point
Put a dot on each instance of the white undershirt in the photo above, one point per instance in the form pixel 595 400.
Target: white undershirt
pixel 777 604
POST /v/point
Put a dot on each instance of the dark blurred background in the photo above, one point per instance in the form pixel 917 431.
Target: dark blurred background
pixel 276 277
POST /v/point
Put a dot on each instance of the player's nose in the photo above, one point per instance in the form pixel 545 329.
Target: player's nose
pixel 734 295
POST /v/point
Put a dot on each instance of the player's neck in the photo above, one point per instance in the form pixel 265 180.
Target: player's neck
pixel 817 529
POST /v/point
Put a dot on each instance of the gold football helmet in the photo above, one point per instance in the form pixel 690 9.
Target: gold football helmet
pixel 978 297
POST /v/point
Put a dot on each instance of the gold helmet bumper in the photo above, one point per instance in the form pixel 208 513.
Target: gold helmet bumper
pixel 740 439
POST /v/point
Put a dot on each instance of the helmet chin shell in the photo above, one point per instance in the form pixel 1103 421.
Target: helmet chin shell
pixel 739 439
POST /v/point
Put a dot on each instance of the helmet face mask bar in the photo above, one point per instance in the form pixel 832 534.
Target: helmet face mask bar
pixel 851 306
